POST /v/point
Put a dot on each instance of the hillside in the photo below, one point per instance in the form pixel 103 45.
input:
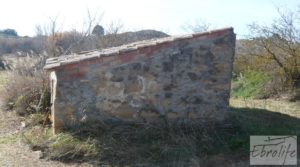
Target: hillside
pixel 15 51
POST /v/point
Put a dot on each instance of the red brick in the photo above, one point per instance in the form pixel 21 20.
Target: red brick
pixel 107 59
pixel 166 44
pixel 70 66
pixel 145 50
pixel 128 56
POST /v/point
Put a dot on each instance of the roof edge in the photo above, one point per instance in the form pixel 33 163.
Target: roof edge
pixel 56 62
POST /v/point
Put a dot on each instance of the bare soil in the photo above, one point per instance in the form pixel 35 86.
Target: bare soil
pixel 15 153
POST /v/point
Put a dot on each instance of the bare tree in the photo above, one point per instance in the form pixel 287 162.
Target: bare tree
pixel 281 44
pixel 111 37
pixel 57 42
pixel 114 27
pixel 92 20
pixel 48 36
pixel 84 39
pixel 39 31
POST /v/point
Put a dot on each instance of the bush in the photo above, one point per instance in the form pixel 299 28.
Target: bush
pixel 251 84
pixel 63 146
pixel 27 94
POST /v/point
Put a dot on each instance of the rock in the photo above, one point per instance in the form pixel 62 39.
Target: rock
pixel 23 125
pixel 39 154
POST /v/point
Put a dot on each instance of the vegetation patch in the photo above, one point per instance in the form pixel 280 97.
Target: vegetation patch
pixel 63 147
pixel 252 84
pixel 135 144
pixel 9 139
pixel 27 94
pixel 3 78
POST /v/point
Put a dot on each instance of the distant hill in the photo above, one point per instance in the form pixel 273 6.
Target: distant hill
pixel 70 42
pixel 246 46
pixel 17 50
pixel 141 35
pixel 112 40
pixel 8 33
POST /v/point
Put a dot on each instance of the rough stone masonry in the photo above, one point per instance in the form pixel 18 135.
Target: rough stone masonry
pixel 178 77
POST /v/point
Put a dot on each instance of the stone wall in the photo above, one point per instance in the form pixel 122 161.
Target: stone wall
pixel 290 108
pixel 179 79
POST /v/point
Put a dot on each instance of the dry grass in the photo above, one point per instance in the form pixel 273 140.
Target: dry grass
pixel 132 144
pixel 24 93
pixel 14 152
pixel 3 78
pixel 62 147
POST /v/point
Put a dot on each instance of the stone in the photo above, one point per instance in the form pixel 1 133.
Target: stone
pixel 192 76
pixel 167 66
pixel 168 95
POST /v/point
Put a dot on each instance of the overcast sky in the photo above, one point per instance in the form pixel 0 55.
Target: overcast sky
pixel 165 15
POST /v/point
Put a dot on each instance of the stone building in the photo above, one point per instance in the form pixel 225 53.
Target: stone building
pixel 178 77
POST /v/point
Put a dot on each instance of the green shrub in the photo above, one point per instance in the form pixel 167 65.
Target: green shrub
pixel 252 84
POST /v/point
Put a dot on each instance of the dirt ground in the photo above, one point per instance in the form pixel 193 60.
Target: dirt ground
pixel 15 153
